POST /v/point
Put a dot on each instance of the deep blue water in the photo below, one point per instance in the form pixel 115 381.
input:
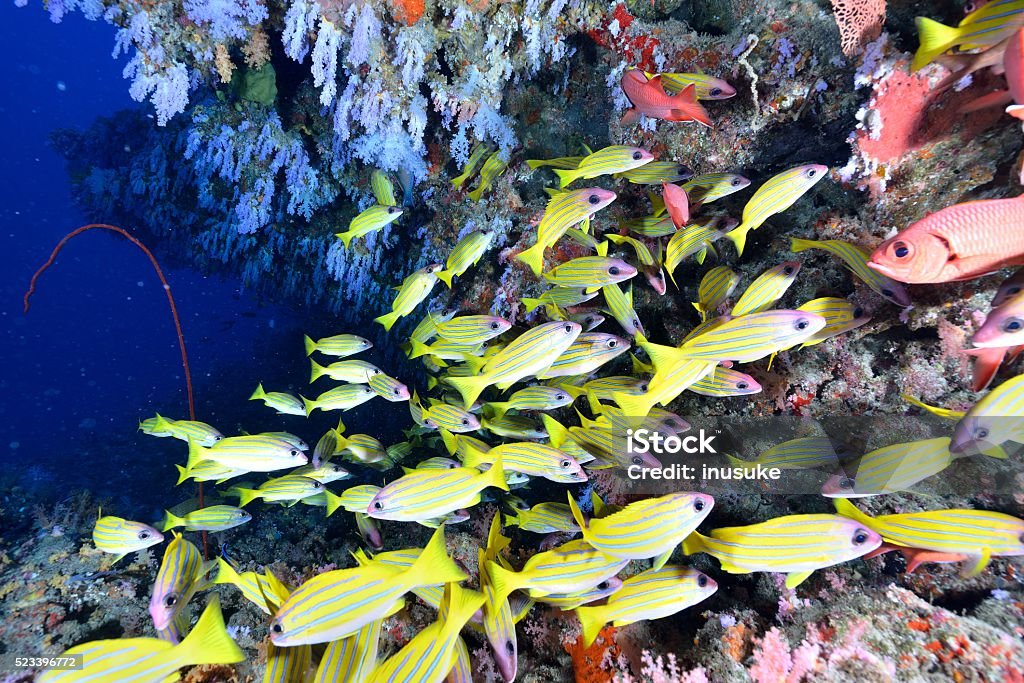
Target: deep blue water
pixel 98 351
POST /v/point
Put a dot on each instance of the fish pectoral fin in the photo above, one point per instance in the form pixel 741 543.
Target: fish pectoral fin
pixel 977 563
pixel 794 579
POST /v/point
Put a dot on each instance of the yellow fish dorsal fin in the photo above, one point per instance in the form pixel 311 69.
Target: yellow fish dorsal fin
pixel 279 592
pixel 978 563
pixel 586 148
pixel 944 413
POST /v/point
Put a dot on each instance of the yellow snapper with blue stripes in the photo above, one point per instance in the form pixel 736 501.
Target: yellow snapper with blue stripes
pixel 977 534
pixel 351 659
pixel 647 529
pixel 338 603
pixel 451 418
pixel 369 220
pixel 751 337
pixel 559 297
pixel 604 389
pixel 200 432
pixel 532 352
pixel 283 403
pixel 988 25
pixel 656 173
pixel 587 353
pixel 263 590
pixel 620 306
pixel 212 518
pixel 546 518
pixel 472 329
pixel 590 272
pixel 588 321
pixel 709 187
pixel 340 345
pixel 768 288
pixel 651 226
pixel 795 545
pixel 437 463
pixel 325 473
pixel 572 567
pixel 411 293
pixel 388 388
pixel 430 655
pixel 120 536
pixel 286 489
pixel 286 437
pixel 179 577
pixel 343 397
pixel 462 664
pixel 254 453
pixel 856 259
pixel 563 211
pixel 535 398
pixel 362 448
pixel 707 87
pixel 467 253
pixel 673 377
pixel 150 660
pixel 652 594
pixel 777 194
pixel 514 427
pixel 493 167
pixel 383 190
pixel 532 459
pixel 443 350
pixel 426 329
pixel 801 453
pixel 613 159
pixel 697 239
pixel 725 382
pixel 477 155
pixel 429 494
pixel 998 417
pixel 840 316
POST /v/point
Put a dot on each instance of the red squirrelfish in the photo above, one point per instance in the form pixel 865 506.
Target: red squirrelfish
pixel 649 98
pixel 676 203
pixel 959 242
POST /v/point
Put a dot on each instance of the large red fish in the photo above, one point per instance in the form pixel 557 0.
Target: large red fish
pixel 649 98
pixel 959 242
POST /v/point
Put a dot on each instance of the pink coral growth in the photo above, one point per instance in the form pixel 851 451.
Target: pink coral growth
pixel 859 21
pixel 775 662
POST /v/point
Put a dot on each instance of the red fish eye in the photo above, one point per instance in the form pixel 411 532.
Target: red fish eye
pixel 900 250
pixel 1012 325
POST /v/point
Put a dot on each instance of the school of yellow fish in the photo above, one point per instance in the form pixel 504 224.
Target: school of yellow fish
pixel 499 411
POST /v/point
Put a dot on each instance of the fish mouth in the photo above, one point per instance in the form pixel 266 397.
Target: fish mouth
pixel 888 271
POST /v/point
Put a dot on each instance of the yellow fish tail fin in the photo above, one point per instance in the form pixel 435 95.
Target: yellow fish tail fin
pixel 451 442
pixel 417 349
pixel 310 345
pixel 496 475
pixel 935 39
pixel 259 393
pixel 473 458
pixel 577 514
pixel 346 237
pixel 433 566
pixel 475 363
pixel 504 581
pixel 794 579
pixel 978 564
pixel 316 371
pixel 309 406
pixel 333 502
pixel 462 604
pixel 183 475
pixel 196 454
pixel 694 543
pixel 534 258
pixel 598 504
pixel 592 620
pixel 738 237
pixel 531 304
pixel 388 320
pixel 602 248
pixel 499 409
pixel 469 388
pixel 171 521
pixel 847 509
pixel 446 276
pixel 208 642
pixel 246 496
pixel 633 406
pixel 799 245
pixel 161 423
pixel 565 177
pixel 226 573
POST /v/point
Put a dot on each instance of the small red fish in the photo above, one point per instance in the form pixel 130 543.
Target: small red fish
pixel 649 98
pixel 676 204
pixel 960 242
pixel 1013 68
pixel 915 557
pixel 987 362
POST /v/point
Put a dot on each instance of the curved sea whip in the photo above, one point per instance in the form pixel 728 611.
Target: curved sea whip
pixel 170 300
